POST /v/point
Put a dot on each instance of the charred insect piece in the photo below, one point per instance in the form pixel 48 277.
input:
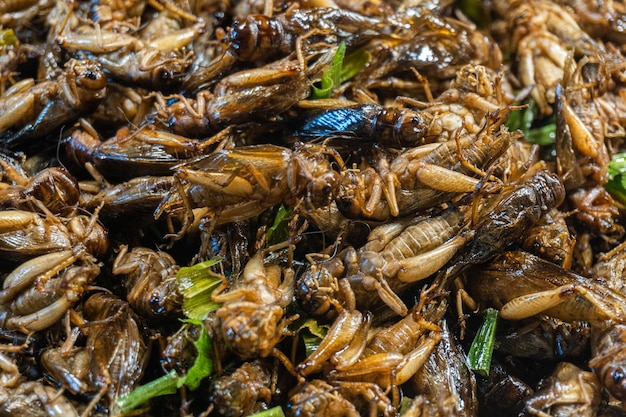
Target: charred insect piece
pixel 119 350
pixel 424 177
pixel 253 95
pixel 240 183
pixel 522 285
pixel 260 38
pixel 543 32
pixel 247 390
pixel 133 201
pixel 156 64
pixel 319 398
pixel 388 126
pixel 551 239
pixel 69 369
pixel 569 391
pixel 54 187
pixel 502 393
pixel 33 398
pixel 251 316
pixel 150 281
pixel 597 211
pixel 42 108
pixel 608 354
pixel 24 234
pixel 15 14
pixel 445 381
pixel 393 260
pixel 434 46
pixel 511 217
pixel 40 291
pixel 180 351
pixel 127 155
pixel 545 337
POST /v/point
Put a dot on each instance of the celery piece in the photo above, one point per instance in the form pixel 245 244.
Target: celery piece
pixel 479 357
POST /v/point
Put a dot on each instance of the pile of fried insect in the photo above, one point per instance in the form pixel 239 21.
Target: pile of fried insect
pixel 315 208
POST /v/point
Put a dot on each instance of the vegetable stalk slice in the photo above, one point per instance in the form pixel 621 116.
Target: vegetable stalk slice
pixel 196 283
pixel 479 357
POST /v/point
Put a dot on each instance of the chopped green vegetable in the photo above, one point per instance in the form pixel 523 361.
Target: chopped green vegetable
pixel 542 136
pixel 170 382
pixel 196 283
pixel 165 385
pixel 524 120
pixel 479 358
pixel 311 332
pixel 279 232
pixel 272 412
pixel 617 177
pixel 354 64
pixel 405 405
pixel 331 79
pixel 203 365
pixel 7 37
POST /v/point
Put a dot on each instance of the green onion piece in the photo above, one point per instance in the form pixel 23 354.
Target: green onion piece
pixel 272 412
pixel 543 136
pixel 522 119
pixel 354 64
pixel 7 37
pixel 196 283
pixel 311 332
pixel 617 177
pixel 479 358
pixel 331 79
pixel 203 365
pixel 167 384
pixel 279 232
